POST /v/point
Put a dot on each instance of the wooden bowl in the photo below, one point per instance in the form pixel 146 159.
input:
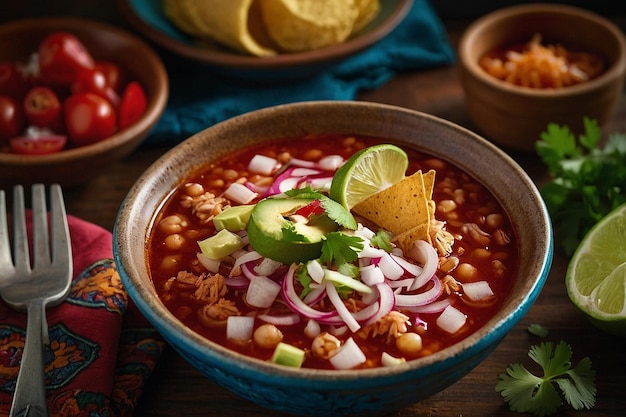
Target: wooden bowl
pixel 514 116
pixel 19 39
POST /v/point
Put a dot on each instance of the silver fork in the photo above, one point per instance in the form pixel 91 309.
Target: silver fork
pixel 33 288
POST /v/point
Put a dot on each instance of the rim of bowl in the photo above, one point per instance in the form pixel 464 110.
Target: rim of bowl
pixel 616 71
pixel 480 340
pixel 281 61
pixel 156 103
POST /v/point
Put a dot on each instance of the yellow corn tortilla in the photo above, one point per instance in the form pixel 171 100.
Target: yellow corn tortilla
pixel 304 25
pixel 225 21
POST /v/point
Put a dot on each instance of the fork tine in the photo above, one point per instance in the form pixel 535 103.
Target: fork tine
pixel 61 245
pixel 41 245
pixel 21 257
pixel 6 262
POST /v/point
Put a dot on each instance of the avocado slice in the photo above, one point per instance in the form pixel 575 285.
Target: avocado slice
pixel 275 235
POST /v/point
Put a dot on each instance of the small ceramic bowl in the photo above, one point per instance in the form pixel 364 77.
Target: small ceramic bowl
pixel 514 116
pixel 310 392
pixel 19 39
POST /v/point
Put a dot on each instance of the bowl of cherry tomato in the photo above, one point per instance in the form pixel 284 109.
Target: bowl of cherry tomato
pixel 76 95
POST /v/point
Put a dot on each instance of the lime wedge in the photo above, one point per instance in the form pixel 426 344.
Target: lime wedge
pixel 367 172
pixel 596 275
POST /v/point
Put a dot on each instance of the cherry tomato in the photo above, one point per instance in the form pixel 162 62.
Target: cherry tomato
pixel 133 105
pixel 61 56
pixel 89 118
pixel 38 145
pixel 13 81
pixel 11 118
pixel 116 78
pixel 43 108
pixel 92 80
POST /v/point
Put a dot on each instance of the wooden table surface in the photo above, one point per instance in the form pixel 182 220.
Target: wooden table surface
pixel 176 389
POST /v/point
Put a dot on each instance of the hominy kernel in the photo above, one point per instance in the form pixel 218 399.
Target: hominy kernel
pixel 449 264
pixel 466 272
pixel 172 224
pixel 494 220
pixel 174 242
pixel 194 189
pixel 446 206
pixel 459 196
pixel 230 174
pixel 267 336
pixel 349 141
pixel 409 343
pixel 171 263
pixel 312 154
pixel 481 253
pixel 284 157
pixel 216 183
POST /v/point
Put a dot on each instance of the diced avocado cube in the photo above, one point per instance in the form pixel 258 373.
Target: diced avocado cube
pixel 221 244
pixel 289 355
pixel 233 218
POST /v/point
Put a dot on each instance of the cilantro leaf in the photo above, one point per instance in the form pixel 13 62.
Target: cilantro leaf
pixel 339 248
pixel 528 393
pixel 587 181
pixel 382 240
pixel 290 234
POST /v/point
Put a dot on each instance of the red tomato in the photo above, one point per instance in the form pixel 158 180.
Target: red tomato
pixel 11 118
pixel 13 81
pixel 42 108
pixel 116 78
pixel 133 105
pixel 92 80
pixel 61 56
pixel 40 145
pixel 89 118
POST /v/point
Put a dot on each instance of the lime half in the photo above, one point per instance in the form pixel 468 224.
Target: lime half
pixel 596 275
pixel 367 172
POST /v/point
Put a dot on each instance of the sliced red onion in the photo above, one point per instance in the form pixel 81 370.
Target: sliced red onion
pixel 262 164
pixel 295 303
pixel 348 355
pixel 240 193
pixel 477 291
pixel 423 252
pixel 364 232
pixel 262 292
pixel 434 307
pixel 386 303
pixel 371 252
pixel 401 283
pixel 267 267
pixel 371 275
pixel 275 188
pixel 315 295
pixel 320 183
pixel 248 272
pixel 302 163
pixel 341 308
pixel 451 320
pixel 426 297
pixel 239 327
pixel 315 270
pixel 282 320
pixel 391 269
pixel 247 257
pixel 410 268
pixel 238 283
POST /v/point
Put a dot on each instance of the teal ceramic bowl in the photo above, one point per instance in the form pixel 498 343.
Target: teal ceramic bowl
pixel 307 392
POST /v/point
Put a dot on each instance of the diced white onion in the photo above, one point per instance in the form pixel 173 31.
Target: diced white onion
pixel 390 267
pixel 282 320
pixel 239 327
pixel 477 291
pixel 451 320
pixel 262 292
pixel 312 329
pixel 371 275
pixel 348 355
pixel 267 267
pixel 331 162
pixel 239 193
pixel 262 164
pixel 211 265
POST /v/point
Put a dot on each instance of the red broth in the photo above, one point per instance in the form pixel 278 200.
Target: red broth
pixel 485 249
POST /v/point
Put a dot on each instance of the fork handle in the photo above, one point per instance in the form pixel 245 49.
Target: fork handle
pixel 29 399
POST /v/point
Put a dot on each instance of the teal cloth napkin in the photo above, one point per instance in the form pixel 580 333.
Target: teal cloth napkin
pixel 200 98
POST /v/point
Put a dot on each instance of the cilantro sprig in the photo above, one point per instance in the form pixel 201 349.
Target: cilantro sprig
pixel 587 181
pixel 538 395
pixel 333 209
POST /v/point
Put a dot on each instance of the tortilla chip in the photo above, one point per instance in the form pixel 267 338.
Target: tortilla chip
pixel 304 25
pixel 398 208
pixel 406 240
pixel 368 10
pixel 224 21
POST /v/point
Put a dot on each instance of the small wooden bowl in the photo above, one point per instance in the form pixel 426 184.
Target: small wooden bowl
pixel 514 116
pixel 76 166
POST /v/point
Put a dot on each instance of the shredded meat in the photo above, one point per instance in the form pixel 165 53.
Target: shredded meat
pixel 216 314
pixel 205 206
pixel 392 325
pixel 450 285
pixel 209 289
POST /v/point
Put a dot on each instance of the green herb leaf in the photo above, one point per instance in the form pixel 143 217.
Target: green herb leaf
pixel 528 393
pixel 339 248
pixel 290 234
pixel 538 330
pixel 382 240
pixel 587 182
